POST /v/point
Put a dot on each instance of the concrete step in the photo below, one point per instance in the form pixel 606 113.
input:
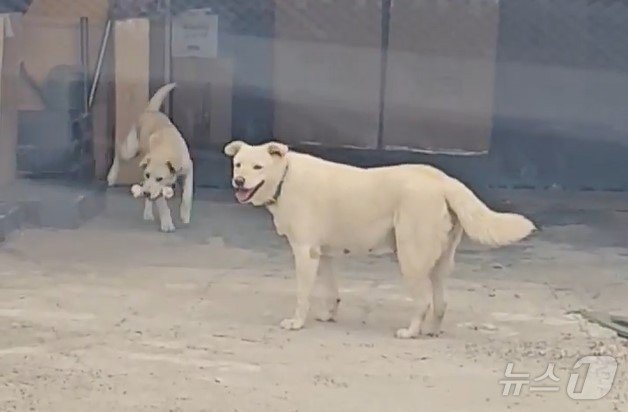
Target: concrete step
pixel 11 219
pixel 51 204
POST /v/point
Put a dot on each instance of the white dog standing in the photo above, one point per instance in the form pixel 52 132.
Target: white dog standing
pixel 326 209
pixel 166 157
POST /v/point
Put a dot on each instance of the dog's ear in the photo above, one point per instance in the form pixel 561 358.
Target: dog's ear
pixel 171 167
pixel 145 161
pixel 233 148
pixel 277 149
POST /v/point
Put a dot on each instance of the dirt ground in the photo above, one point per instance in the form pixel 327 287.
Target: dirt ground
pixel 117 316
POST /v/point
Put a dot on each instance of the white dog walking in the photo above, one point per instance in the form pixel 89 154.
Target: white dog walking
pixel 166 157
pixel 326 209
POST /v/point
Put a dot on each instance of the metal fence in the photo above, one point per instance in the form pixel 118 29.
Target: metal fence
pixel 536 88
pixel 560 106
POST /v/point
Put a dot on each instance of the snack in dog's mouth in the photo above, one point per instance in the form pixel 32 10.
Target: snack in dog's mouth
pixel 244 195
pixel 138 191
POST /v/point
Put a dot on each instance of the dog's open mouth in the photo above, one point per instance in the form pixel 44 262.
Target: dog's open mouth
pixel 244 195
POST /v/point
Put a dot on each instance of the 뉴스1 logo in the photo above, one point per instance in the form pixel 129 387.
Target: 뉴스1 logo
pixel 597 380
pixel 592 379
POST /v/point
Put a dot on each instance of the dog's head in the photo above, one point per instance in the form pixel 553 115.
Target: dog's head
pixel 158 174
pixel 257 170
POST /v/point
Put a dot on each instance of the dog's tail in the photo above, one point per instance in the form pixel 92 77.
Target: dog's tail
pixel 481 223
pixel 158 98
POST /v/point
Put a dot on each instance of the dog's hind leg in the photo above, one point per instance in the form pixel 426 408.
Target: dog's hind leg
pixel 130 146
pixel 445 264
pixel 331 298
pixel 165 219
pixel 126 150
pixel 112 176
pixel 186 197
pixel 418 249
pixel 416 265
pixel 306 265
pixel 148 209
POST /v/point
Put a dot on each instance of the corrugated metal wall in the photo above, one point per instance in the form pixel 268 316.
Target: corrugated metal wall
pixel 561 114
pixel 559 94
pixel 560 107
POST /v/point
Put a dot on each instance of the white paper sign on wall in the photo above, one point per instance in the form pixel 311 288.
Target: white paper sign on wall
pixel 195 34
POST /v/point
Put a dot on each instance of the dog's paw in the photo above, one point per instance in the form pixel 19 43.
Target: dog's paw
pixel 326 316
pixel 111 179
pixel 148 215
pixel 406 333
pixel 292 324
pixel 185 215
pixel 330 312
pixel 430 329
pixel 112 176
pixel 167 227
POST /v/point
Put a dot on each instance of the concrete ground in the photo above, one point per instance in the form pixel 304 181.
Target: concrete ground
pixel 116 316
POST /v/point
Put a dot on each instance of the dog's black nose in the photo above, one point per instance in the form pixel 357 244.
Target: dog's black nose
pixel 147 194
pixel 238 181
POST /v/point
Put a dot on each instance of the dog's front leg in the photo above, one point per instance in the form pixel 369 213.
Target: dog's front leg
pixel 165 219
pixel 148 209
pixel 306 265
pixel 186 198
pixel 331 298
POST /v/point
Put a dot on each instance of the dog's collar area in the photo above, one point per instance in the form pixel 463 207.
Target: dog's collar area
pixel 273 200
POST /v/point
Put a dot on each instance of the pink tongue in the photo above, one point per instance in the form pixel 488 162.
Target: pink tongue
pixel 242 195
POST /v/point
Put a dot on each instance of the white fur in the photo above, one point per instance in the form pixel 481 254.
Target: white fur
pixel 327 209
pixel 164 157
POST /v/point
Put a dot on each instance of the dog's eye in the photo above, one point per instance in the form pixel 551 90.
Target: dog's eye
pixel 257 167
pixel 147 175
pixel 159 179
pixel 238 165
